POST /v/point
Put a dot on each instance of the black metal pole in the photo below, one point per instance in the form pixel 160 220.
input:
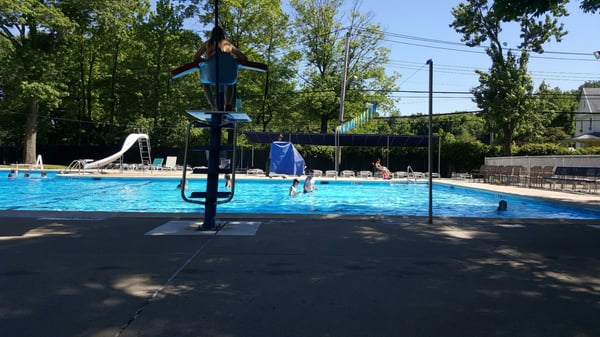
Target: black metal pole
pixel 214 148
pixel 430 141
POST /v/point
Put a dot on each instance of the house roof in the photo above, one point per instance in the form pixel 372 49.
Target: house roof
pixel 591 137
pixel 344 140
pixel 590 100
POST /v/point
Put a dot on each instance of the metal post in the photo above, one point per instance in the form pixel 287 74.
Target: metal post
pixel 212 177
pixel 387 154
pixel 429 145
pixel 439 156
pixel 338 150
pixel 336 153
pixel 214 147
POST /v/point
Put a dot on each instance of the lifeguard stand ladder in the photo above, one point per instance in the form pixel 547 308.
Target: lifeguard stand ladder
pixel 219 70
pixel 144 146
pixel 215 122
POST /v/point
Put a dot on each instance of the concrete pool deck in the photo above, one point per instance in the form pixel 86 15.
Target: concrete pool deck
pixel 100 274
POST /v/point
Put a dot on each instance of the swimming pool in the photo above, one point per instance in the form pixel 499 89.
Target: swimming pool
pixel 398 198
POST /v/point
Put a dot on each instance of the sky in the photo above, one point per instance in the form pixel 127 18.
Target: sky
pixel 416 31
pixel 413 29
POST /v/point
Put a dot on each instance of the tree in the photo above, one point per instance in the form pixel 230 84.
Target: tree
pixel 367 80
pixel 324 39
pixel 37 32
pixel 590 6
pixel 161 43
pixel 558 110
pixel 9 121
pixel 320 34
pixel 263 32
pixel 505 93
pixel 94 67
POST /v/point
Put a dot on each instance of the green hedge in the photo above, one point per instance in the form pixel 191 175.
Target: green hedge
pixel 552 150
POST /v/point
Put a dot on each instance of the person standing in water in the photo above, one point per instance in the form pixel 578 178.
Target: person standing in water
pixel 309 183
pixel 293 191
pixel 227 180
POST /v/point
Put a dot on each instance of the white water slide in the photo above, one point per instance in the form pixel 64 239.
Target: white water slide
pixel 129 142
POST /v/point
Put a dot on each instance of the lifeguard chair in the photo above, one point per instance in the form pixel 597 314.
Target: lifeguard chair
pixel 219 70
pixel 228 70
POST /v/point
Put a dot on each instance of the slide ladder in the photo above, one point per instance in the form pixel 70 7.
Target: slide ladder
pixel 144 146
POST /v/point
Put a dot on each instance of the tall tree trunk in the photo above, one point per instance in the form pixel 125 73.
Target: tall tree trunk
pixel 324 120
pixel 30 138
pixel 81 101
pixel 113 83
pixel 507 141
pixel 88 89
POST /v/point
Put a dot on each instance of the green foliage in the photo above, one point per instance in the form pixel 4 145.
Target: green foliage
pixel 48 93
pixel 588 150
pixel 505 92
pixel 263 32
pixel 462 156
pixel 589 84
pixel 324 49
pixel 541 150
pixel 38 33
pixel 557 108
pixel 511 10
pixel 98 69
pixel 590 6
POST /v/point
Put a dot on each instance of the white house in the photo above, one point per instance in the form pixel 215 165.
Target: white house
pixel 587 119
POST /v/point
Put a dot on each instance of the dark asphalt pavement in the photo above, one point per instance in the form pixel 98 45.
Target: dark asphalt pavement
pixel 99 275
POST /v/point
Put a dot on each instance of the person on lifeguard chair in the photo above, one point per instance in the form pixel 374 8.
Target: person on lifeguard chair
pixel 218 42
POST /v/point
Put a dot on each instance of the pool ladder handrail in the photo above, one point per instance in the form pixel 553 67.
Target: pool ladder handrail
pixel 221 197
pixel 76 166
pixel 408 172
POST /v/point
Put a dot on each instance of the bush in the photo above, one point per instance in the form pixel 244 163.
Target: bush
pixel 588 150
pixel 464 156
pixel 541 150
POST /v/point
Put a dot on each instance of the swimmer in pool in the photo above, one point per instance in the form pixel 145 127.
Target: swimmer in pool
pixel 293 191
pixel 182 184
pixel 309 183
pixel 227 180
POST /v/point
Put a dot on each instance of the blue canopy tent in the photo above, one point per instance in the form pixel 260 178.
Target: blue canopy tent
pixel 285 159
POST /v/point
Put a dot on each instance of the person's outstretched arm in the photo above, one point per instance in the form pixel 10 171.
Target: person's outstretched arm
pixel 200 52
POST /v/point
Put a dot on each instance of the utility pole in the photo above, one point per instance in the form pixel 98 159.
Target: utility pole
pixel 338 150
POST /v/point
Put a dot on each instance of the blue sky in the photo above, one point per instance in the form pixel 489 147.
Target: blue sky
pixel 565 65
pixel 419 30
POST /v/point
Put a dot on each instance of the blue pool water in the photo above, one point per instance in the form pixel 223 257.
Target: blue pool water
pixel 57 193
